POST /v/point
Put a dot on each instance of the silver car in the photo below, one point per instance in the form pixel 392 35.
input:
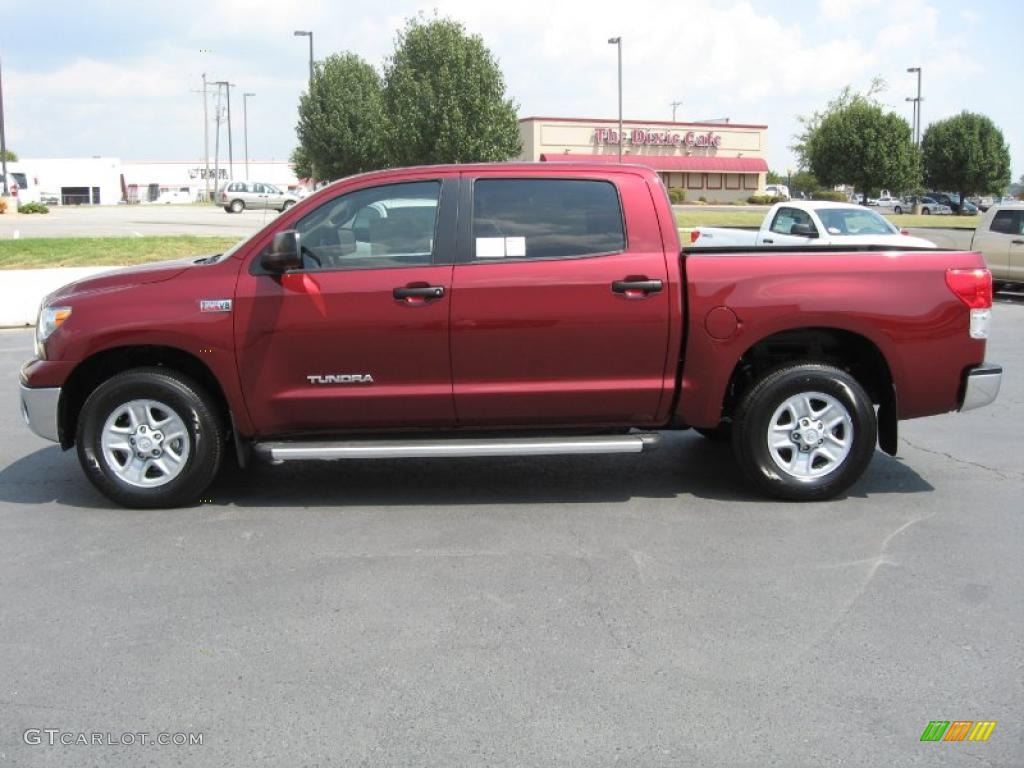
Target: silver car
pixel 257 195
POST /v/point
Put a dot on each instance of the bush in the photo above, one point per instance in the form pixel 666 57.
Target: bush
pixel 702 199
pixel 33 208
pixel 677 195
pixel 739 202
pixel 830 195
pixel 763 200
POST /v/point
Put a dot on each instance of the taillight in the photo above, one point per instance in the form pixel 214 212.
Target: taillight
pixel 974 288
pixel 694 235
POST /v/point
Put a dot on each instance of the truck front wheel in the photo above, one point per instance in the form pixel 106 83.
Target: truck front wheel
pixel 804 432
pixel 150 438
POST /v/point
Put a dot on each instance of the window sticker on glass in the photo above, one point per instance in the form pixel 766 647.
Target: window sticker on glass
pixel 490 247
pixel 515 246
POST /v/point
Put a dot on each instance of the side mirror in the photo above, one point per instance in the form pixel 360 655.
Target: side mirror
pixel 283 254
pixel 803 230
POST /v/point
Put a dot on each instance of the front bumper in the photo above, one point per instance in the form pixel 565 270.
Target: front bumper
pixel 981 385
pixel 39 408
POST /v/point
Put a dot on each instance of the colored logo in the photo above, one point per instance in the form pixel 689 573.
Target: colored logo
pixel 958 730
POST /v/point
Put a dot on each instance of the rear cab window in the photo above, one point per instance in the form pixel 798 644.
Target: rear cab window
pixel 545 218
pixel 786 218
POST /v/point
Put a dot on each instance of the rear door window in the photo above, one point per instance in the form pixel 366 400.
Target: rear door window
pixel 545 219
pixel 1008 222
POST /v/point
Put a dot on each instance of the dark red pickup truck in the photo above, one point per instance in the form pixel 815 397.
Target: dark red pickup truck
pixel 487 310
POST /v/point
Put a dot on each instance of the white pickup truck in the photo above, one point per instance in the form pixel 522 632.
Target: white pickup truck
pixel 811 222
pixel 1000 239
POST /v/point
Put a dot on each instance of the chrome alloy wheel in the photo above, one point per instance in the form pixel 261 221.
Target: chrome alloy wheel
pixel 145 443
pixel 810 435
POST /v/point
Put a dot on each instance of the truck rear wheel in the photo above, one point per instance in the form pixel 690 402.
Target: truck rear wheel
pixel 150 438
pixel 804 432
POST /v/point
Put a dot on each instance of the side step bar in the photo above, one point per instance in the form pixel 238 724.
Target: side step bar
pixel 277 452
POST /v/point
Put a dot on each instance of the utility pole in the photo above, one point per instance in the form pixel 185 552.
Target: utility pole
pixel 245 129
pixel 674 105
pixel 216 145
pixel 917 106
pixel 617 41
pixel 206 141
pixel 231 159
pixel 3 135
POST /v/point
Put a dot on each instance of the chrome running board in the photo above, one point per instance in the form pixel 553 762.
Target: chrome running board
pixel 455 447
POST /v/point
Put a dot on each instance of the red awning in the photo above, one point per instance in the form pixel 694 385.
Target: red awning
pixel 670 162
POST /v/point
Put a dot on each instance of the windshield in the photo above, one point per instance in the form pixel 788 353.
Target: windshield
pixel 854 222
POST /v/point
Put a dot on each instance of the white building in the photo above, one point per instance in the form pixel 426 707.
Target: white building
pixel 110 180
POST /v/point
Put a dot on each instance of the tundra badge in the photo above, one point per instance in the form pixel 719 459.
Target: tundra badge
pixel 341 378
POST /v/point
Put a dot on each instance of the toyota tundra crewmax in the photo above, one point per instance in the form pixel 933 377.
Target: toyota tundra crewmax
pixel 493 310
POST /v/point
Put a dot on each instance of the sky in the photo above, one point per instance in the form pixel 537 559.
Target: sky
pixel 123 79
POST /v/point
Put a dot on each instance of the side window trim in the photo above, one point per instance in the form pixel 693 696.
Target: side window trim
pixel 466 248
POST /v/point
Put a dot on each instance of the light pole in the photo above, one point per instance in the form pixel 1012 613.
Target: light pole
pixel 309 34
pixel 617 41
pixel 674 105
pixel 917 106
pixel 3 136
pixel 245 130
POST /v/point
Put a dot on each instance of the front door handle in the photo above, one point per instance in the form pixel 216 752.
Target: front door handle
pixel 636 286
pixel 413 292
pixel 768 240
pixel 1017 242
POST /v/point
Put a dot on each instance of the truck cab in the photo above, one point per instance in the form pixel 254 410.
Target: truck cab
pixel 1000 238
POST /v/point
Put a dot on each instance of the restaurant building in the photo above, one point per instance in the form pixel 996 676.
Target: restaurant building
pixel 719 161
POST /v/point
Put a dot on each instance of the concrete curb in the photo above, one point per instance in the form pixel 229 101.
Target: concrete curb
pixel 22 290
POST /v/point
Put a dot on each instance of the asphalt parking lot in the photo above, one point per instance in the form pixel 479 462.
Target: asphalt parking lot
pixel 134 221
pixel 571 611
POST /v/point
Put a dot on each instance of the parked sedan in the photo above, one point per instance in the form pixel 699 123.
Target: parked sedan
pixel 239 195
pixel 928 206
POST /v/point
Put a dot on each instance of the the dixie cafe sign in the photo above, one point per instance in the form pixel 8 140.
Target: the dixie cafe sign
pixel 659 138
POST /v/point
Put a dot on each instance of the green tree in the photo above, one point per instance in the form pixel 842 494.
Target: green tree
pixel 810 123
pixel 11 157
pixel 445 98
pixel 341 119
pixel 301 164
pixel 862 145
pixel 967 154
pixel 774 177
pixel 804 181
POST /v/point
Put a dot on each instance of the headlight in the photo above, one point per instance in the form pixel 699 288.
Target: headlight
pixel 50 319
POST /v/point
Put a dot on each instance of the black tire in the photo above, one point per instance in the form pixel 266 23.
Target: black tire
pixel 752 425
pixel 287 204
pixel 203 426
pixel 227 209
pixel 926 211
pixel 237 206
pixel 897 210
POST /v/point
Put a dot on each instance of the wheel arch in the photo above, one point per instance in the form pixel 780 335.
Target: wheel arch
pixel 99 367
pixel 853 352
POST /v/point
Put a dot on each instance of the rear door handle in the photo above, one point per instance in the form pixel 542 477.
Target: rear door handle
pixel 419 292
pixel 1017 242
pixel 627 286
